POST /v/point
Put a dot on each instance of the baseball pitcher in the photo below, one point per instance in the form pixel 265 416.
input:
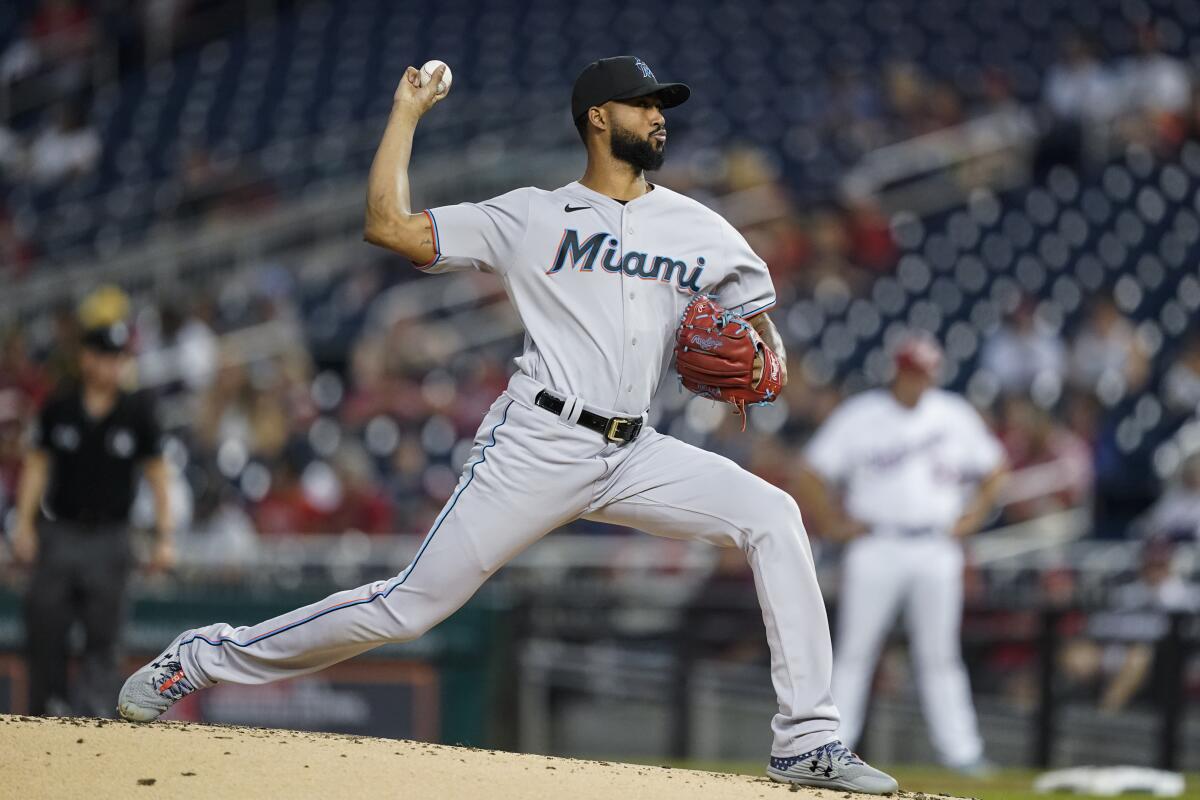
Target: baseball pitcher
pixel 612 277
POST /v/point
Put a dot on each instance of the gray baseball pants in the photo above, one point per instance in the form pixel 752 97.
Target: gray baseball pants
pixel 529 473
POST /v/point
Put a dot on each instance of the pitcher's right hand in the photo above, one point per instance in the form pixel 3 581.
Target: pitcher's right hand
pixel 415 99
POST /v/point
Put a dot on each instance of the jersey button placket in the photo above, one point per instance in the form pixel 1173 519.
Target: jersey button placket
pixel 627 246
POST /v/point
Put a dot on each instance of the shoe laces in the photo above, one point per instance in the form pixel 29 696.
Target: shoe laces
pixel 823 759
pixel 171 682
pixel 836 751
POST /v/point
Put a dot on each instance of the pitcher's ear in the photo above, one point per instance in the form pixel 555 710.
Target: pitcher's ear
pixel 598 116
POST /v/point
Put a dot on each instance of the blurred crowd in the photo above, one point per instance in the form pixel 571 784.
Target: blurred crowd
pixel 1087 101
pixel 59 53
pixel 60 49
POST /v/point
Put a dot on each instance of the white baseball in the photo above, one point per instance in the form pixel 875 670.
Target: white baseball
pixel 427 75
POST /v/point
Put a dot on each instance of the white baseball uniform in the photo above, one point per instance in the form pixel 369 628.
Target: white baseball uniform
pixel 906 473
pixel 600 286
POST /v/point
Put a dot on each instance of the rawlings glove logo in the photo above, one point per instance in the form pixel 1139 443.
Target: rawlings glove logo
pixel 704 342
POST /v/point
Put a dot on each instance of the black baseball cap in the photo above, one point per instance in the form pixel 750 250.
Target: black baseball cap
pixel 621 78
pixel 112 338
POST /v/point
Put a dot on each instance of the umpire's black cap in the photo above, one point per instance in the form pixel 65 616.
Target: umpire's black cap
pixel 112 338
pixel 621 78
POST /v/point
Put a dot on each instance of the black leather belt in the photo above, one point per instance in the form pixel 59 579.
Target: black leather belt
pixel 615 429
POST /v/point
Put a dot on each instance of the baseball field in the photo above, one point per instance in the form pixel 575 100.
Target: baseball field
pixel 69 757
pixel 73 757
pixel 1011 783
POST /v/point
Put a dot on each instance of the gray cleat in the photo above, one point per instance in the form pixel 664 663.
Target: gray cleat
pixel 154 688
pixel 832 766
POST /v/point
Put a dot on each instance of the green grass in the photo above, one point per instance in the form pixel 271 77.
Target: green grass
pixel 1006 784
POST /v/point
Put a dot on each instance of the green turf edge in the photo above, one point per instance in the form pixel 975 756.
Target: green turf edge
pixel 1006 784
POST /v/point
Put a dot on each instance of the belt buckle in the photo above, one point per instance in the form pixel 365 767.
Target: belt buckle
pixel 614 424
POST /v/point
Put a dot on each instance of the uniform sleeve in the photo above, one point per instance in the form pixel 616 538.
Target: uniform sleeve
pixel 482 236
pixel 149 430
pixel 828 451
pixel 980 451
pixel 748 289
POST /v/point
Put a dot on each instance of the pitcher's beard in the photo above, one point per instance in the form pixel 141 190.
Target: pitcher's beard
pixel 639 152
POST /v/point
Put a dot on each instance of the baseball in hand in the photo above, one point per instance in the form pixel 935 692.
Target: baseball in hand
pixel 427 70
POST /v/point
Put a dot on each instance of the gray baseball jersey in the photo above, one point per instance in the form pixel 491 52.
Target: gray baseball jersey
pixel 600 286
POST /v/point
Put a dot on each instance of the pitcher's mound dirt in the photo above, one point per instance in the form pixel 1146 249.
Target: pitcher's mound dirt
pixel 75 757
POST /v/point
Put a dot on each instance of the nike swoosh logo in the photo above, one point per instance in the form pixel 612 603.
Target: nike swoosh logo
pixel 567 208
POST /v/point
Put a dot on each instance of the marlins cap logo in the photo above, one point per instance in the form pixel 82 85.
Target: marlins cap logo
pixel 646 73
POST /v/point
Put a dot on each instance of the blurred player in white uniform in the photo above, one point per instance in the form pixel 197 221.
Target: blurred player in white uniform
pixel 916 471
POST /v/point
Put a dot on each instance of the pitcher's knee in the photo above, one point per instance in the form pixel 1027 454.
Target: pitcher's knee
pixel 773 511
pixel 776 507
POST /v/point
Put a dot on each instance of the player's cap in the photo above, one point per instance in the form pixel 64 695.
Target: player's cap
pixel 919 352
pixel 112 338
pixel 621 78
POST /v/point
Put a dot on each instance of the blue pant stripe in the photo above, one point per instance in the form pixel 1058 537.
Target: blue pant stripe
pixel 375 595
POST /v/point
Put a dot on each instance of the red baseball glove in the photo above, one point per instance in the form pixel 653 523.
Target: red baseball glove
pixel 715 354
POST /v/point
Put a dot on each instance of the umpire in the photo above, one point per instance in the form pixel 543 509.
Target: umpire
pixel 77 485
